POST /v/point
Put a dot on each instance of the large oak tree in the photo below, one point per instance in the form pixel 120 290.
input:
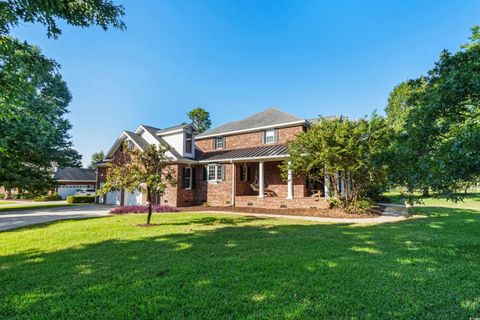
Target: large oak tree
pixel 33 96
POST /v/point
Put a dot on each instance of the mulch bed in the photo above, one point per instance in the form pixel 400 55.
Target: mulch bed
pixel 327 213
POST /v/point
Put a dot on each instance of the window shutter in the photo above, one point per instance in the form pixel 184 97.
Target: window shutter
pixel 194 177
pixel 214 145
pixel 184 183
pixel 275 133
pixel 204 171
pixel 241 173
pixel 249 173
pixel 263 136
pixel 223 172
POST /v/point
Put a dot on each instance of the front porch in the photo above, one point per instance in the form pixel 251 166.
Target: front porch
pixel 281 202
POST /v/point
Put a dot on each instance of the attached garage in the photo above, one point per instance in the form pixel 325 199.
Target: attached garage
pixel 113 197
pixel 133 198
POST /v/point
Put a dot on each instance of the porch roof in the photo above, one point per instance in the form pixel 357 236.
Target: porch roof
pixel 253 153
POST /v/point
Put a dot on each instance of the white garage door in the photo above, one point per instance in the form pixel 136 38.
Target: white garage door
pixel 67 190
pixel 133 198
pixel 113 197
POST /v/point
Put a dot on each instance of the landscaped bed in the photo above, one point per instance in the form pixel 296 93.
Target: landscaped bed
pixel 327 213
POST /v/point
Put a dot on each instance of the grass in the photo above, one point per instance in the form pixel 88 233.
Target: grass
pixel 213 266
pixel 12 207
pixel 5 202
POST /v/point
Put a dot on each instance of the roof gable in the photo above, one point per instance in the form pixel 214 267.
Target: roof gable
pixel 267 118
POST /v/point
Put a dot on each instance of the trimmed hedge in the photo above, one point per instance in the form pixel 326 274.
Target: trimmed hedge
pixel 48 197
pixel 81 199
pixel 143 209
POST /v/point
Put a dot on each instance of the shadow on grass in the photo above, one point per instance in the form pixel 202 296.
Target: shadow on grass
pixel 248 268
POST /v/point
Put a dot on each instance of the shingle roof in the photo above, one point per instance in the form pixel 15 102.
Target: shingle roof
pixel 269 117
pixel 180 126
pixel 137 139
pixel 75 174
pixel 279 150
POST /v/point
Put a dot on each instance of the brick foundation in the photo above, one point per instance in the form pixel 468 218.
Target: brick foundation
pixel 281 203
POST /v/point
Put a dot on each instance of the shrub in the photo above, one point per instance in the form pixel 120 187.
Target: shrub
pixel 48 197
pixel 360 206
pixel 335 202
pixel 81 199
pixel 143 209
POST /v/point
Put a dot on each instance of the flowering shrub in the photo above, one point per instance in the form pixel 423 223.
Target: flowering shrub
pixel 143 209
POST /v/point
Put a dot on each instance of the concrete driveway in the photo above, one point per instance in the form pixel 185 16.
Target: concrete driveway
pixel 22 218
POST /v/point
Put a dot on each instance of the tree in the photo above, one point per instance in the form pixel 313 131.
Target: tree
pixel 147 170
pixel 83 14
pixel 345 152
pixel 439 149
pixel 36 132
pixel 33 95
pixel 96 157
pixel 200 118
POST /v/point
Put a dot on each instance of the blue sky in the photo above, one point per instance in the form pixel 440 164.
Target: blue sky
pixel 235 58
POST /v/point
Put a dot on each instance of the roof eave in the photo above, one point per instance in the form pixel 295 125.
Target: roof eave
pixel 226 133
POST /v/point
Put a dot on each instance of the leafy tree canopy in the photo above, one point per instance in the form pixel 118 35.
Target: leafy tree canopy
pixel 33 95
pixel 85 13
pixel 200 118
pixel 343 150
pixel 439 149
pixel 148 170
pixel 96 157
pixel 33 102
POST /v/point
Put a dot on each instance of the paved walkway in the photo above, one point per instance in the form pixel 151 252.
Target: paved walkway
pixel 392 213
pixel 22 218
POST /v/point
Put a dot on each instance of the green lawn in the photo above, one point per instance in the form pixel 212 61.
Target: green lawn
pixel 205 266
pixel 5 202
pixel 13 207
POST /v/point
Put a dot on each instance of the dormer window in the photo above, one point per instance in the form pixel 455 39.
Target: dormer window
pixel 219 142
pixel 188 142
pixel 130 144
pixel 269 136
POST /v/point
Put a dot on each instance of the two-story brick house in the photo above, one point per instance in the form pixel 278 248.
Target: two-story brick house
pixel 236 164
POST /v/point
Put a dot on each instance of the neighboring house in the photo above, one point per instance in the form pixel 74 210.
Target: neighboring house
pixel 70 179
pixel 236 164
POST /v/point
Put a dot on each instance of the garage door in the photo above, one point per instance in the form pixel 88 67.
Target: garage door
pixel 69 189
pixel 113 197
pixel 133 198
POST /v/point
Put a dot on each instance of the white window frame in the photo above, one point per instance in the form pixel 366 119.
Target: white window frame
pixel 215 173
pixel 189 177
pixel 217 139
pixel 270 133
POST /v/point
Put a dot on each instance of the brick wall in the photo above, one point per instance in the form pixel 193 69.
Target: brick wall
pixel 251 139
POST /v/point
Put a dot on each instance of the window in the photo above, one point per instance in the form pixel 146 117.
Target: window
pixel 244 173
pixel 188 142
pixel 219 143
pixel 187 178
pixel 130 144
pixel 270 136
pixel 216 172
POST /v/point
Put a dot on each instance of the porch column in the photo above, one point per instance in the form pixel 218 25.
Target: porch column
pixel 290 182
pixel 261 180
pixel 234 181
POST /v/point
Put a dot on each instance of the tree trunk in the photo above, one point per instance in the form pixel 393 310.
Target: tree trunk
pixel 149 204
pixel 8 194
pixel 425 192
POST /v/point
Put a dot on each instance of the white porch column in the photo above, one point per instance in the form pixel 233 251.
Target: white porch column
pixel 233 184
pixel 261 180
pixel 290 182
